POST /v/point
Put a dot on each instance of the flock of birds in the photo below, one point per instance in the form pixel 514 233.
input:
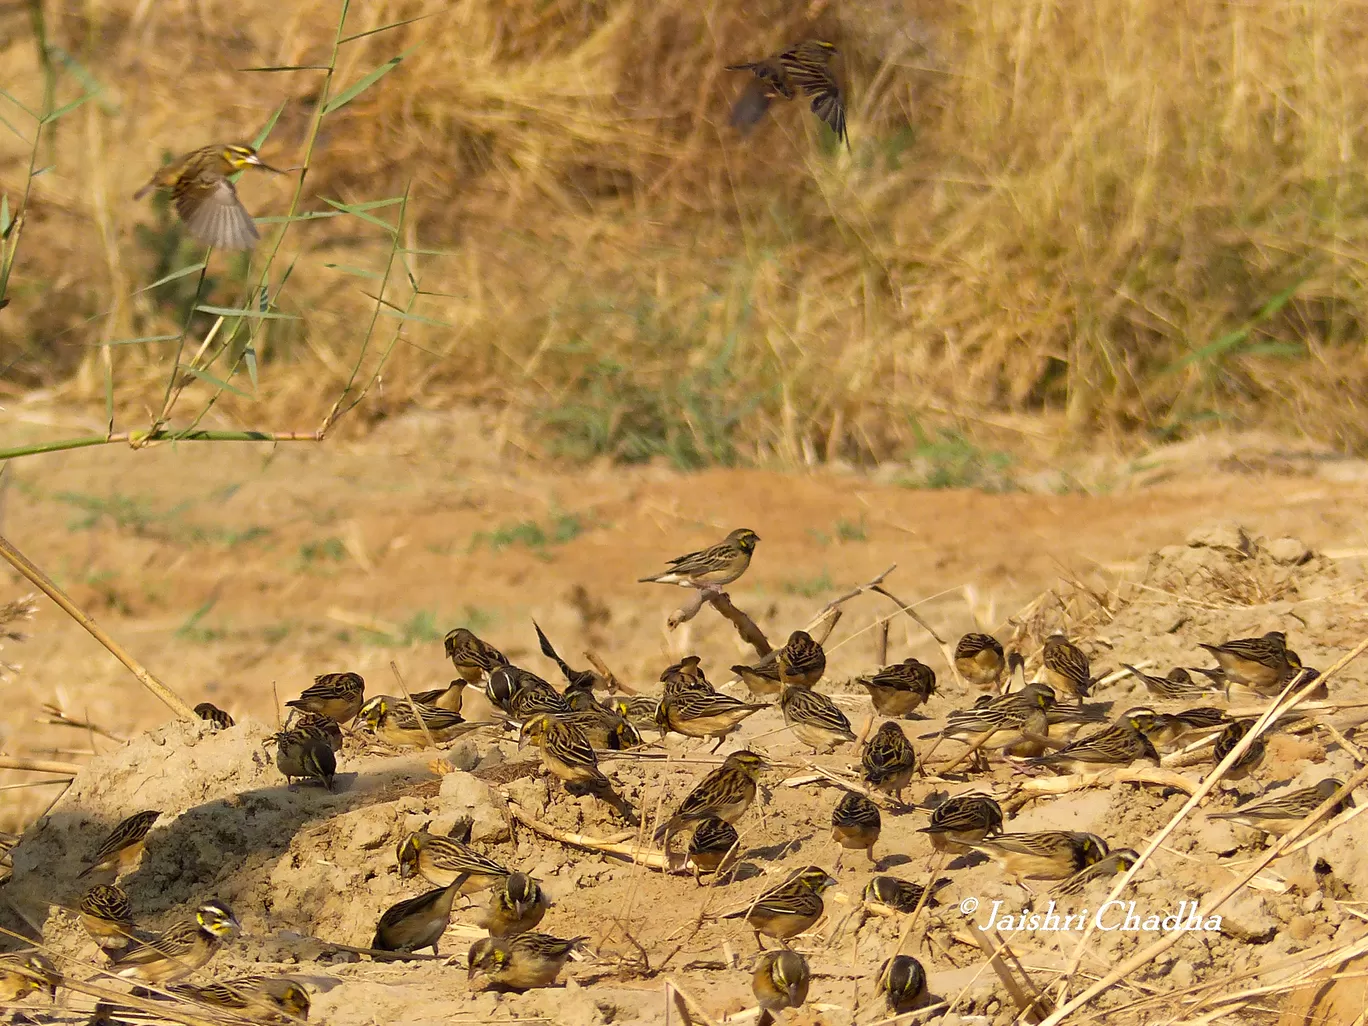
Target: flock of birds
pixel 1034 725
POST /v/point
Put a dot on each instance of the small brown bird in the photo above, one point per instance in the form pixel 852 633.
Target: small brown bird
pixel 787 910
pixel 638 710
pixel 1278 812
pixel 25 972
pixel 1116 862
pixel 888 759
pixel 527 961
pixel 265 998
pixel 337 696
pixel 899 689
pixel 448 698
pixel 855 824
pixel 324 728
pixel 565 751
pixel 417 922
pixel 209 711
pixel 725 793
pixel 1247 763
pixel 185 946
pixel 961 821
pixel 1258 663
pixel 442 860
pixel 703 714
pixel 392 720
pixel 514 908
pixel 1046 855
pixel 712 841
pixel 889 894
pixel 107 916
pixel 205 199
pixel 301 752
pixel 780 981
pixel 576 679
pixel 119 851
pixel 805 66
pixel 1120 744
pixel 979 659
pixel 902 982
pixel 1176 685
pixel 800 661
pixel 814 718
pixel 685 675
pixel 473 658
pixel 1066 668
pixel 1170 728
pixel 713 567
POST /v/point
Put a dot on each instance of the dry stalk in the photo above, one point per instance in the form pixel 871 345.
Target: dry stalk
pixel 1028 1006
pixel 417 713
pixel 721 601
pixel 39 765
pixel 57 718
pixel 651 858
pixel 1029 790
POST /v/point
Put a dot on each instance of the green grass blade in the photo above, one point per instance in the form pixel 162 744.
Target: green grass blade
pixel 216 382
pixel 266 129
pixel 384 28
pixel 403 315
pixel 360 272
pixel 358 210
pixel 289 67
pixel 357 88
pixel 12 99
pixel 66 108
pixel 4 215
pixel 228 311
pixel 139 341
pixel 181 273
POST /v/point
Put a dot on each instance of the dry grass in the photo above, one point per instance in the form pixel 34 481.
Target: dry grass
pixel 1077 209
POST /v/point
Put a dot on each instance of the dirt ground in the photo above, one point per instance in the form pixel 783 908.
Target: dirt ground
pixel 239 572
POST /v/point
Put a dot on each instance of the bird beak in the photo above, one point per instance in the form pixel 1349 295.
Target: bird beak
pixel 256 161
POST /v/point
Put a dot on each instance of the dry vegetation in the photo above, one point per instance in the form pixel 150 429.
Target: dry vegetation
pixel 1136 215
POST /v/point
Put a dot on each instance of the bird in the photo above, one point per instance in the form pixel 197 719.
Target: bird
pixel 1065 667
pixel 1278 812
pixel 604 729
pixel 703 714
pixel 961 821
pixel 801 660
pixel 1169 728
pixel 712 841
pixel 392 720
pixel 185 946
pixel 577 679
pixel 888 759
pixel 779 981
pixel 204 197
pixel 448 698
pixel 524 962
pixel 899 689
pixel 528 694
pixel 337 696
pixel 1045 855
pixel 979 660
pixel 1115 862
pixel 814 718
pixel 1225 744
pixel 324 728
pixel 1176 685
pixel 441 860
pixel 25 972
pixel 473 658
pixel 301 752
pixel 855 824
pixel 416 922
pixel 514 908
pixel 902 982
pixel 895 894
pixel 565 751
pixel 762 677
pixel 638 710
pixel 725 793
pixel 107 915
pixel 714 567
pixel 1258 663
pixel 1117 745
pixel 804 66
pixel 272 998
pixel 787 910
pixel 209 711
pixel 121 848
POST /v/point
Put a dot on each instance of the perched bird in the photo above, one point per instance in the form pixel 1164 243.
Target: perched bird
pixel 209 711
pixel 787 910
pixel 1047 855
pixel 902 982
pixel 1065 667
pixel 961 821
pixel 703 714
pixel 107 916
pixel 576 679
pixel 301 752
pixel 725 793
pixel 711 843
pixel 979 659
pixel 184 947
pixel 1176 685
pixel 855 824
pixel 121 848
pixel 526 961
pixel 1225 744
pixel 899 689
pixel 780 981
pixel 441 860
pixel 203 196
pixel 24 972
pixel 1259 663
pixel 448 698
pixel 814 718
pixel 714 567
pixel 805 66
pixel 1278 812
pixel 895 894
pixel 1118 745
pixel 337 696
pixel 638 710
pixel 1018 724
pixel 1116 862
pixel 473 658
pixel 888 759
pixel 324 728
pixel 417 922
pixel 514 908
pixel 392 720
pixel 271 998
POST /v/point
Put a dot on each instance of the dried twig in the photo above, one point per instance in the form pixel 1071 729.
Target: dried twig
pixel 57 718
pixel 1037 787
pixel 1028 1006
pixel 651 858
pixel 38 765
pixel 417 713
pixel 745 626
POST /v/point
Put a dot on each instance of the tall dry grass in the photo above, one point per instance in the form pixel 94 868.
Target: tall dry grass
pixel 1138 215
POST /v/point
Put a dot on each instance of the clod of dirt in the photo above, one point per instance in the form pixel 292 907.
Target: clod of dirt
pixel 1245 917
pixel 1225 534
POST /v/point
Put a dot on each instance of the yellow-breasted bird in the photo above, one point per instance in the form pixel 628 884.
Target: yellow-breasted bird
pixel 714 567
pixel 448 698
pixel 270 998
pixel 416 922
pixel 899 689
pixel 961 821
pixel 787 910
pixel 902 982
pixel 526 961
pixel 1065 667
pixel 441 860
pixel 855 825
pixel 780 980
pixel 212 713
pixel 567 754
pixel 888 759
pixel 725 793
pixel 1258 663
pixel 185 946
pixel 814 718
pixel 515 907
pixel 703 714
pixel 393 721
pixel 709 846
pixel 979 659
pixel 1280 811
pixel 1169 728
pixel 805 66
pixel 121 848
pixel 107 916
pixel 638 710
pixel 337 696
pixel 203 196
pixel 473 657
pixel 23 973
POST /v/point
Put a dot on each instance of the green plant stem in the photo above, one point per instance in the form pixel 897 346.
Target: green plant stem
pixel 139 439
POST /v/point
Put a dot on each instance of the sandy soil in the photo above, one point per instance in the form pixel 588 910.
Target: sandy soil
pixel 238 573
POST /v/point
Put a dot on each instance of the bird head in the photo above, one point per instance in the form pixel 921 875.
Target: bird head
pixel 744 539
pixel 374 711
pixel 521 893
pixel 239 155
pixel 817 879
pixel 217 919
pixel 745 760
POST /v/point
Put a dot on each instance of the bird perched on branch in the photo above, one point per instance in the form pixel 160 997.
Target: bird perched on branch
pixel 714 567
pixel 205 199
pixel 806 66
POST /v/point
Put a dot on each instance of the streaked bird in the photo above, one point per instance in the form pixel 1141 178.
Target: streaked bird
pixel 806 66
pixel 107 915
pixel 1118 745
pixel 1278 812
pixel 1065 667
pixel 515 907
pixel 260 997
pixel 712 841
pixel 213 714
pixel 26 972
pixel 1259 663
pixel 1170 728
pixel 979 659
pixel 392 720
pixel 122 846
pixel 814 718
pixel 1044 855
pixel 576 679
pixel 787 910
pixel 638 710
pixel 565 751
pixel 703 714
pixel 474 658
pixel 1253 756
pixel 323 728
pixel 337 696
pixel 725 793
pixel 448 698
pixel 416 922
pixel 305 753
pixel 527 961
pixel 1176 685
pixel 204 197
pixel 855 825
pixel 961 821
pixel 902 982
pixel 888 759
pixel 714 567
pixel 887 894
pixel 899 689
pixel 780 980
pixel 1116 862
pixel 182 948
pixel 442 860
